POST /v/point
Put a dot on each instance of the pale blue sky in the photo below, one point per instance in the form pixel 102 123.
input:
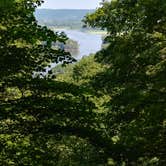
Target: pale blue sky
pixel 71 4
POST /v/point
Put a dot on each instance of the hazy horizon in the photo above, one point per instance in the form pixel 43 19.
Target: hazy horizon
pixel 72 4
pixel 64 9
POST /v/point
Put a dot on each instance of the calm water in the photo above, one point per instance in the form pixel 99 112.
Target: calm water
pixel 88 42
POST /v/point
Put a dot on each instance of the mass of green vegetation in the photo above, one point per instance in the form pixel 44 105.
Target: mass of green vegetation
pixel 70 46
pixel 108 109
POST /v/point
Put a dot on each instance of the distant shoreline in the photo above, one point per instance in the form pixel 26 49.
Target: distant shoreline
pixel 91 31
pixel 65 19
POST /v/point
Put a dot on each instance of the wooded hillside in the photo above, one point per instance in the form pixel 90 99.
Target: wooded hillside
pixel 62 17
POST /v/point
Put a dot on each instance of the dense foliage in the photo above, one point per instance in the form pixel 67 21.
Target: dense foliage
pixel 31 108
pixel 70 46
pixel 107 109
pixel 135 79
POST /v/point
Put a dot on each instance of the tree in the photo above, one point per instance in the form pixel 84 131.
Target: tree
pixel 45 121
pixel 29 106
pixel 135 79
pixel 40 118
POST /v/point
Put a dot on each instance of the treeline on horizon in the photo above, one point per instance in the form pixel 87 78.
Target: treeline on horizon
pixel 70 18
pixel 108 109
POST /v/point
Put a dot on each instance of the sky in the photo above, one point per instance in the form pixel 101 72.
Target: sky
pixel 71 4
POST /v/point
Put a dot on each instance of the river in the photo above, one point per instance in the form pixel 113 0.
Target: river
pixel 88 42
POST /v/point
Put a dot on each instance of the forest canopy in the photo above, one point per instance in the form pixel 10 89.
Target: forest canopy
pixel 106 109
